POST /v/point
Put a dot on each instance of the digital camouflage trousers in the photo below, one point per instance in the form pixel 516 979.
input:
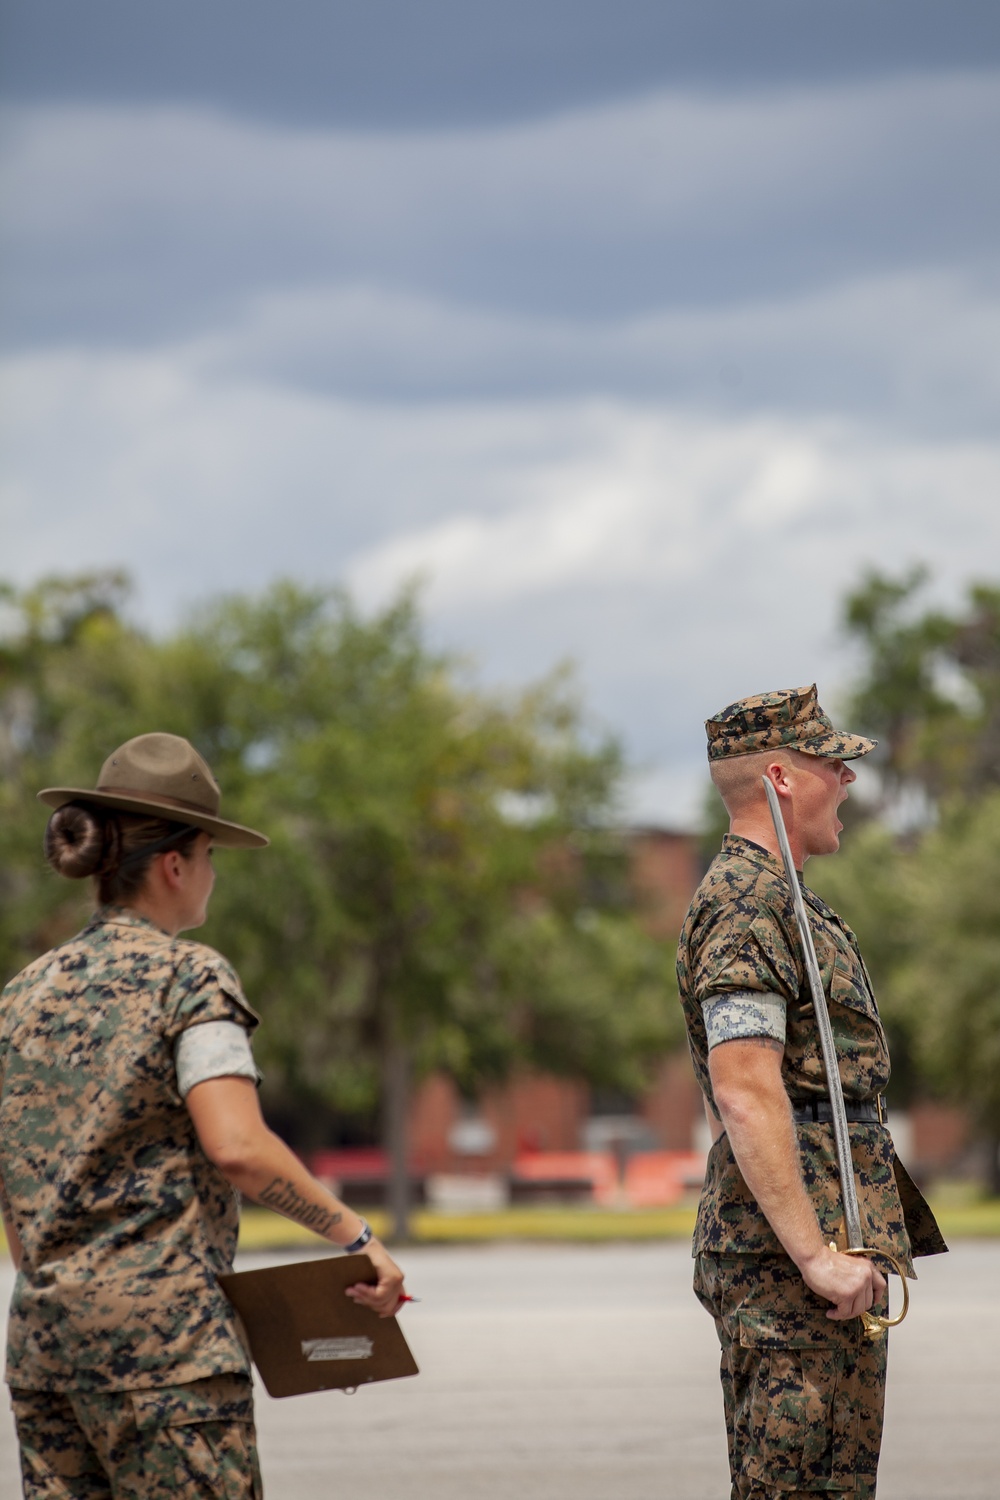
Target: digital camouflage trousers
pixel 803 1394
pixel 185 1442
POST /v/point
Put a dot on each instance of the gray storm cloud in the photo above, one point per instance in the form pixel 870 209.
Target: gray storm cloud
pixel 644 381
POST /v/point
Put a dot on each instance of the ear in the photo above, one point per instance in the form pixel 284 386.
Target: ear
pixel 172 866
pixel 776 772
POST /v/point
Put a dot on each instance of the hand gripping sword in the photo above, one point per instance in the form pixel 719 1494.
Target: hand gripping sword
pixel 874 1324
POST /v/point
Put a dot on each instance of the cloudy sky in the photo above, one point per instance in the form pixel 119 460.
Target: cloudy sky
pixel 637 330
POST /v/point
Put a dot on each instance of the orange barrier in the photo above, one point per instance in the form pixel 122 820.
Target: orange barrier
pixel 655 1179
pixel 589 1172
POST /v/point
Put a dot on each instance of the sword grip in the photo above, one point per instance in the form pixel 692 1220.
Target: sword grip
pixel 874 1323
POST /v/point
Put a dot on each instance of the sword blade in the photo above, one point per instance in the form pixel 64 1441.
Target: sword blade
pixel 841 1134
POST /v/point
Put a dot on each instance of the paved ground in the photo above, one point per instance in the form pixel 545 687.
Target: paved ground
pixel 589 1373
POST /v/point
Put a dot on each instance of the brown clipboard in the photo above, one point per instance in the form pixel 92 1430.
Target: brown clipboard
pixel 306 1335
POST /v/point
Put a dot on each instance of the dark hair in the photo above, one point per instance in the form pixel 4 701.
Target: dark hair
pixel 83 838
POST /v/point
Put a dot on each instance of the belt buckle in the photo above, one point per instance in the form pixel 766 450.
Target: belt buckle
pixel 881 1111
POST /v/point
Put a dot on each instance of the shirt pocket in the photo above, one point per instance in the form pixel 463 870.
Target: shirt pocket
pixel 849 986
pixel 862 1047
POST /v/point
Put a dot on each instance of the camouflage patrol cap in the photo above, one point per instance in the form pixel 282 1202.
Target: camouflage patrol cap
pixel 163 775
pixel 788 719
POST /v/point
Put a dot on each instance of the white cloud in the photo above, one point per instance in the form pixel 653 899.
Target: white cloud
pixel 683 558
pixel 604 508
pixel 787 483
pixel 672 797
pixel 652 496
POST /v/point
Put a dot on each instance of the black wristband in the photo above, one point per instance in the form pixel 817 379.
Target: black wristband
pixel 361 1241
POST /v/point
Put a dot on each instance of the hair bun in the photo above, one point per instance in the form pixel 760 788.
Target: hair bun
pixel 75 840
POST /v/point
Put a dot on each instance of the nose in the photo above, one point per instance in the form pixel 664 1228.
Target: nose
pixel 848 774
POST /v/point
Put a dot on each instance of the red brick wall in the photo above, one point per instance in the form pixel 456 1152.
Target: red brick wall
pixel 434 1109
pixel 666 870
pixel 673 1105
pixel 536 1112
pixel 548 1114
pixel 531 1112
pixel 939 1135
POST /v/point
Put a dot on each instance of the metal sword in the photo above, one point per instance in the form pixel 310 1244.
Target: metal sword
pixel 875 1324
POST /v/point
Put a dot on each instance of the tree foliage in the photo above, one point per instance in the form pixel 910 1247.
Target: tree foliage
pixel 63 646
pixel 952 979
pixel 929 685
pixel 926 905
pixel 432 894
pixel 871 884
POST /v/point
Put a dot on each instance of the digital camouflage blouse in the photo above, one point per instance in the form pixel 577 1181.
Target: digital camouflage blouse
pixel 740 935
pixel 124 1221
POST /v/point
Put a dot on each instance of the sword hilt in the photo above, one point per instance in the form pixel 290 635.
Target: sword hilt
pixel 874 1323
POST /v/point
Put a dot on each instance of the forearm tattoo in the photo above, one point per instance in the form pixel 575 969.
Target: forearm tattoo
pixel 285 1199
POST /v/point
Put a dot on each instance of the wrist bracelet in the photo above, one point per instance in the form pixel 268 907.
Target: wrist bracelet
pixel 361 1241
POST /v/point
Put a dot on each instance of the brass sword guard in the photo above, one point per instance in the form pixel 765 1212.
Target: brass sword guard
pixel 874 1323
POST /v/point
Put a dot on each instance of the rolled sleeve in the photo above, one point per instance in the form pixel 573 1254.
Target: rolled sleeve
pixel 213 1049
pixel 736 1015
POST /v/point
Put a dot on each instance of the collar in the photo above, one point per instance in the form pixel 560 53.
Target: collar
pixel 122 916
pixel 756 854
pixel 735 843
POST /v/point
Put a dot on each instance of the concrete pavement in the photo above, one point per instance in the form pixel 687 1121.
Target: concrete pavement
pixel 590 1373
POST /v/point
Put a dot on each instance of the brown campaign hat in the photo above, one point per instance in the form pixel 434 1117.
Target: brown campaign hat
pixel 163 775
pixel 790 718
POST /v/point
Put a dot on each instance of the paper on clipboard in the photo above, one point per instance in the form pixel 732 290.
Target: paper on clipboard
pixel 306 1335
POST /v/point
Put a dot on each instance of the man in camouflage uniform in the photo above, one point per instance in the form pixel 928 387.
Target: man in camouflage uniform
pixel 803 1387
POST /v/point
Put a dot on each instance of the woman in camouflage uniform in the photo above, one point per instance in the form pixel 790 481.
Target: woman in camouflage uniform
pixel 128 1116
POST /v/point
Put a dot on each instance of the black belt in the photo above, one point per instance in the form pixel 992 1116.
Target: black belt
pixel 819 1111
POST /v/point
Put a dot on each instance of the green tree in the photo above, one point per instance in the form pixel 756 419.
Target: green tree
pixel 62 643
pixel 871 883
pixel 952 979
pixel 432 847
pixel 929 685
pixel 926 905
pixel 435 893
pixel 975 649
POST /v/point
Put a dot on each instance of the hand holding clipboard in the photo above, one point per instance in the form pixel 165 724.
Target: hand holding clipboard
pixel 306 1335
